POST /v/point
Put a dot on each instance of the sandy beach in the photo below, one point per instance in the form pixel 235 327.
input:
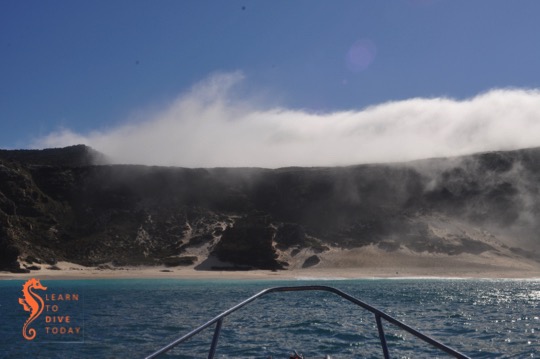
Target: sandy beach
pixel 298 274
pixel 365 262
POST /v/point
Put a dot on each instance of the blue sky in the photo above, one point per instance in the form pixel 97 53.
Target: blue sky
pixel 94 71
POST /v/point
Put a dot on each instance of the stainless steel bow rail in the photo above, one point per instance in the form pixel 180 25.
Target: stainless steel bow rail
pixel 379 315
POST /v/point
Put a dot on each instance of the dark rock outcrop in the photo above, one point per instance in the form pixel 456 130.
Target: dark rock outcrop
pixel 249 243
pixel 179 261
pixel 8 256
pixel 311 261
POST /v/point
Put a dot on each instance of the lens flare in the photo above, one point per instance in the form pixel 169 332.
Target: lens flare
pixel 361 55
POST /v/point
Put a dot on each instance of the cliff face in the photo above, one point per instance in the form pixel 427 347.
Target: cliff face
pixel 65 204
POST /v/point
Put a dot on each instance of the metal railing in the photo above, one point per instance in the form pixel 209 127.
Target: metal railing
pixel 379 315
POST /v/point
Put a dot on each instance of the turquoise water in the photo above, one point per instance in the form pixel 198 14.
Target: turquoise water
pixel 133 318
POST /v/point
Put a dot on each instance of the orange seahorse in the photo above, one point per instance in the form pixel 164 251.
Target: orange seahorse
pixel 32 303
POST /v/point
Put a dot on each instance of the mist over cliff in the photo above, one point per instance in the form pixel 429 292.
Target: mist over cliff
pixel 68 204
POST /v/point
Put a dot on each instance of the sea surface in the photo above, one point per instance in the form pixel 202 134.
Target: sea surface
pixel 131 318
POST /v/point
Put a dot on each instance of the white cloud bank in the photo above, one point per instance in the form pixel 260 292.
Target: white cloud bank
pixel 208 127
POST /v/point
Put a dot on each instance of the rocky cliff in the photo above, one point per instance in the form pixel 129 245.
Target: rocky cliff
pixel 67 204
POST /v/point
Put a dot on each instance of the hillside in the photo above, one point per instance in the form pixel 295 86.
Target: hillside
pixel 68 205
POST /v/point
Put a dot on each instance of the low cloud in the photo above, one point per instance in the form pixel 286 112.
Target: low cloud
pixel 209 126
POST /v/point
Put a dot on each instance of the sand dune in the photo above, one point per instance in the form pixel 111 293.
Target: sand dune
pixel 365 262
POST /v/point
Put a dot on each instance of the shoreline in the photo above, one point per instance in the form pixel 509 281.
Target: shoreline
pixel 70 271
pixel 361 263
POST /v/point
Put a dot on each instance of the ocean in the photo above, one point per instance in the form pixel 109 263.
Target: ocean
pixel 131 318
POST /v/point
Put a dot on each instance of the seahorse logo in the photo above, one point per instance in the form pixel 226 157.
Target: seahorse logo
pixel 32 303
